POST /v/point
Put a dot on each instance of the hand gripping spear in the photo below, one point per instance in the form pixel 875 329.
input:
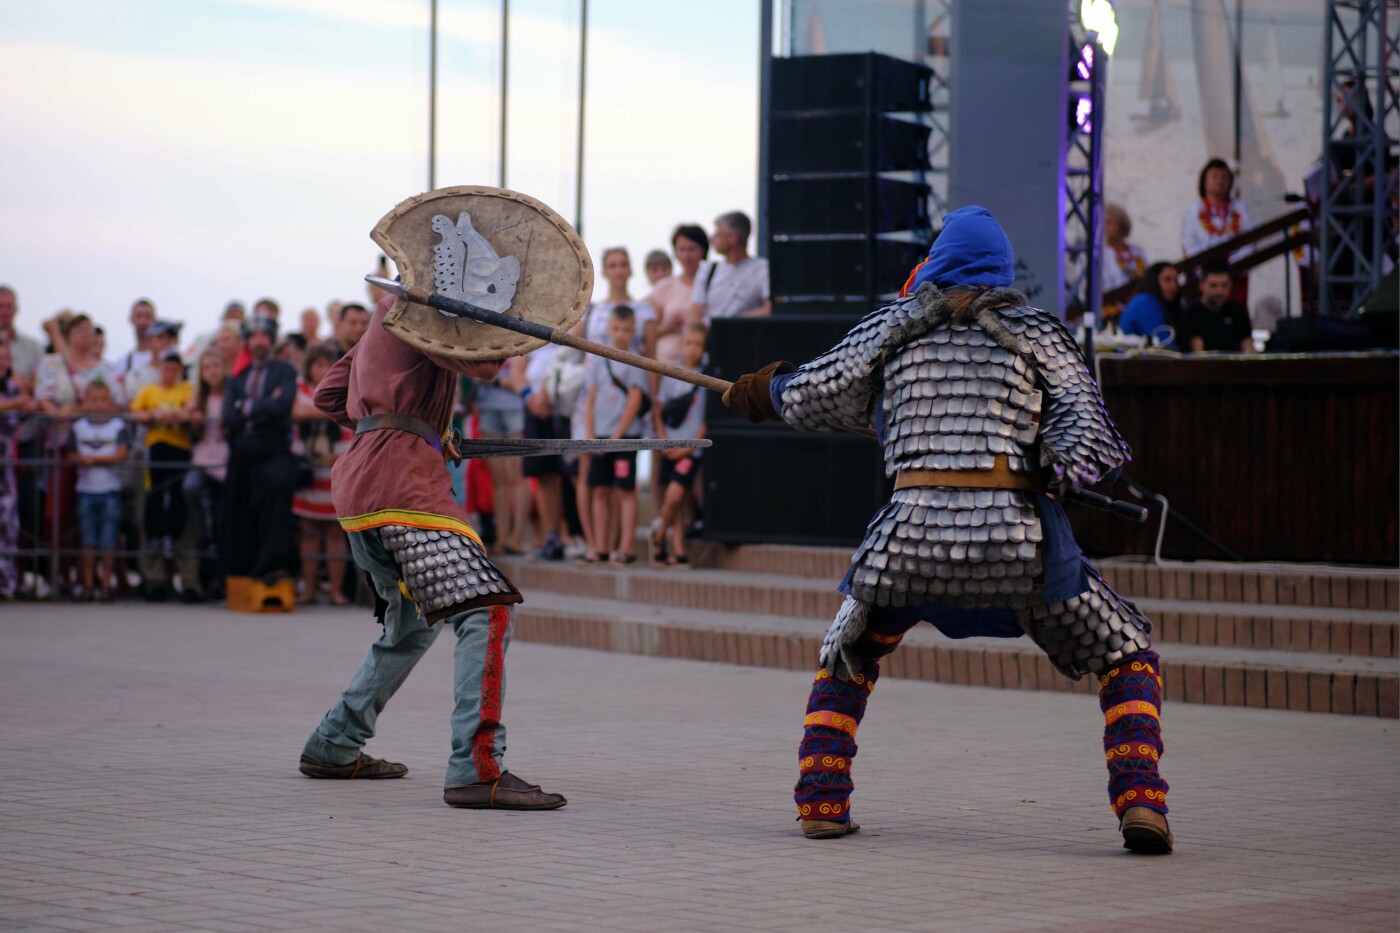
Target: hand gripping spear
pixel 560 336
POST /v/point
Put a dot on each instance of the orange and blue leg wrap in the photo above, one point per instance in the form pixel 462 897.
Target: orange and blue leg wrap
pixel 834 711
pixel 1130 695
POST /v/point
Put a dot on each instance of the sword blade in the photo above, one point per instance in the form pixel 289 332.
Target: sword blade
pixel 483 448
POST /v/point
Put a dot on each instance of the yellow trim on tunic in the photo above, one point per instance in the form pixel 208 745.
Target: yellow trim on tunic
pixel 413 520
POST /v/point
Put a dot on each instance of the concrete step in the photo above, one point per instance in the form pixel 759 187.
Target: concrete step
pixel 1225 676
pixel 1360 632
pixel 1319 585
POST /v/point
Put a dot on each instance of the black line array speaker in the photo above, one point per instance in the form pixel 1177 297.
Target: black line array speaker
pixel 841 234
pixel 768 482
pixel 779 486
pixel 849 206
pixel 840 230
pixel 855 81
pixel 859 142
pixel 864 266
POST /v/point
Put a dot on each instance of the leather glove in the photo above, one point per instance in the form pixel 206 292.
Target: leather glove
pixel 749 395
pixel 838 653
pixel 1072 477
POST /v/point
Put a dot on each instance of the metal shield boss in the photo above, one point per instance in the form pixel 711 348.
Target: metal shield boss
pixel 495 248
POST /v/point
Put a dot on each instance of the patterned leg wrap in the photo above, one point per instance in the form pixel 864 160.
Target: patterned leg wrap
pixel 834 710
pixel 1130 695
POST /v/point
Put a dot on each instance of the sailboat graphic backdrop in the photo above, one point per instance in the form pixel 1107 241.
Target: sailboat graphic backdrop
pixel 1155 83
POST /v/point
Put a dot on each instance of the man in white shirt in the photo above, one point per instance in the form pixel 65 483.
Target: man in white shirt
pixel 143 315
pixel 737 284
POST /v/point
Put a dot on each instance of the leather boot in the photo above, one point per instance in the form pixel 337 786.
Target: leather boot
pixel 363 768
pixel 828 829
pixel 1146 831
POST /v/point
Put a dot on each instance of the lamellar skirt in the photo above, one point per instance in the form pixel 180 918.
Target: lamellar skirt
pixel 975 548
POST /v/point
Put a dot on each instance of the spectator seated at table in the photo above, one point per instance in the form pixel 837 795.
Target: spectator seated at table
pixel 1155 311
pixel 1216 321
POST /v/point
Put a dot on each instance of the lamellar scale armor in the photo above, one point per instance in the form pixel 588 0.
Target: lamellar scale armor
pixel 445 571
pixel 1004 380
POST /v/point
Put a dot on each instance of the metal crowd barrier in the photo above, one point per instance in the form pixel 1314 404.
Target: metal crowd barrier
pixel 49 531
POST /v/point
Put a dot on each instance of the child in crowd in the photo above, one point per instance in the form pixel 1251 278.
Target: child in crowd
pixel 680 414
pixel 615 401
pixel 658 266
pixel 204 484
pixel 162 407
pixel 99 441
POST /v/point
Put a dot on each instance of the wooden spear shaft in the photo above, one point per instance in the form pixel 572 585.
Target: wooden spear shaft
pixel 555 335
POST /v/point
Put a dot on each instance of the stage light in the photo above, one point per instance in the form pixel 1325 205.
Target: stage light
pixel 1084 65
pixel 1080 113
pixel 1097 16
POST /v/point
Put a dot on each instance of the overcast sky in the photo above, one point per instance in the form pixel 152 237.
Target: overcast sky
pixel 197 152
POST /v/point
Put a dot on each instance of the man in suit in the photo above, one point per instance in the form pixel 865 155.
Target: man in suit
pixel 260 534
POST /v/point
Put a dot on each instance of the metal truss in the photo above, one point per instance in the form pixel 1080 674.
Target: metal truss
pixel 1361 141
pixel 939 18
pixel 1082 182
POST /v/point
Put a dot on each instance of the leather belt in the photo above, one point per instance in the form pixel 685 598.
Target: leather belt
pixel 998 477
pixel 395 422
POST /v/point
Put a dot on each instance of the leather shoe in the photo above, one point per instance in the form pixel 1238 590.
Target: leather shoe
pixel 363 768
pixel 1146 831
pixel 828 829
pixel 506 792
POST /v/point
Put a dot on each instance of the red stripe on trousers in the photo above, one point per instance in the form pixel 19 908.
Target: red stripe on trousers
pixel 492 679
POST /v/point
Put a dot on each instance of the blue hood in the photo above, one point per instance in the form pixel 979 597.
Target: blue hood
pixel 971 250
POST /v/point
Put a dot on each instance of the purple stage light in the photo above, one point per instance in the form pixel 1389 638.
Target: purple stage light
pixel 1085 66
pixel 1084 114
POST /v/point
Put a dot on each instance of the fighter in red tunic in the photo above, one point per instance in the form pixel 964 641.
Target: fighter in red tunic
pixel 428 567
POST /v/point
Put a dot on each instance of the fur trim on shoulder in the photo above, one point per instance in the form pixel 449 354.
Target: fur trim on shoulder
pixel 992 326
pixel 997 298
pixel 930 297
pixel 987 313
pixel 984 312
pixel 934 302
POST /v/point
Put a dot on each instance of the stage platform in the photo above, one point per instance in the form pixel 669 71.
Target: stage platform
pixel 1308 638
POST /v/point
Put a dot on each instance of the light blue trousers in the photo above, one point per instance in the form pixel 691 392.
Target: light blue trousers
pixel 478 736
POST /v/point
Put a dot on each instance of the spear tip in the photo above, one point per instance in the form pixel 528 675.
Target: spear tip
pixel 389 285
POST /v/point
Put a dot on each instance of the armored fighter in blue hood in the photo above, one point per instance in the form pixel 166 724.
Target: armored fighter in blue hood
pixel 985 410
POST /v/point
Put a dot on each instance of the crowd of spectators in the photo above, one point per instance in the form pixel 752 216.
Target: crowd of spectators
pixel 1216 318
pixel 168 469
pixel 165 470
pixel 586 507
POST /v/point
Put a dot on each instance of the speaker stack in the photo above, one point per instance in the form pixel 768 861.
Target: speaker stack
pixel 848 205
pixel 847 219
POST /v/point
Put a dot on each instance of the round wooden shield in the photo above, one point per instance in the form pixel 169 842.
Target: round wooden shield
pixel 495 248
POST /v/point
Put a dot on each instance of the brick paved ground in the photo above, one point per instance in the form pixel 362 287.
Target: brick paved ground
pixel 149 782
